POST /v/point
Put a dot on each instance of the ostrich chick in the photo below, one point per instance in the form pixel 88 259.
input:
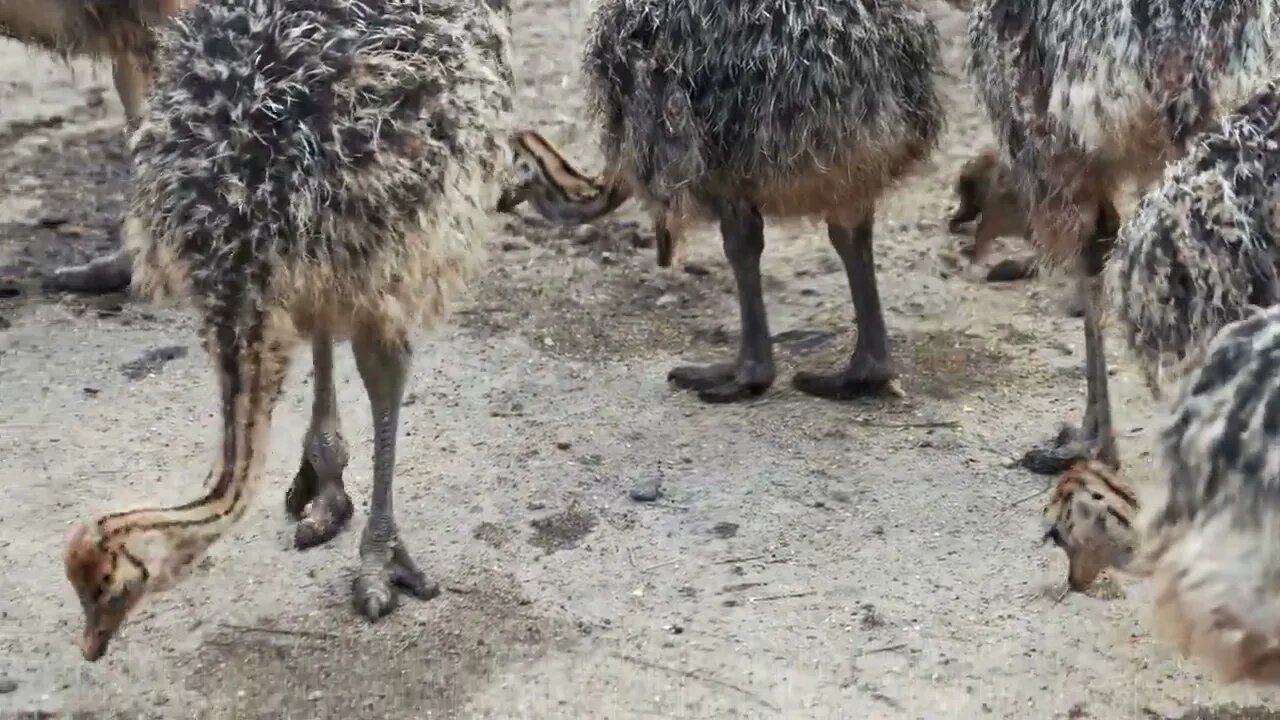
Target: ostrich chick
pixel 738 111
pixel 316 168
pixel 1201 248
pixel 1085 97
pixel 1208 530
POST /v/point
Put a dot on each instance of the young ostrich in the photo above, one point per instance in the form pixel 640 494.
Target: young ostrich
pixel 741 111
pixel 1207 532
pixel 1201 249
pixel 1087 96
pixel 316 167
pixel 120 30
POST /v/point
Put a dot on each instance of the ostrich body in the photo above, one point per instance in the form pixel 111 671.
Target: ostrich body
pixel 1202 247
pixel 306 168
pixel 1206 532
pixel 738 111
pixel 121 30
pixel 1087 97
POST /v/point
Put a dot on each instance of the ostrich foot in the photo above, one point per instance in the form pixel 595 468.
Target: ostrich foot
pixel 321 505
pixel 101 275
pixel 1070 445
pixel 863 377
pixel 722 382
pixel 384 569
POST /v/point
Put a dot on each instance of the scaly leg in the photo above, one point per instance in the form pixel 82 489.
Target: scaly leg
pixel 132 82
pixel 384 561
pixel 870 369
pixel 111 272
pixel 317 496
pixel 1096 437
pixel 742 230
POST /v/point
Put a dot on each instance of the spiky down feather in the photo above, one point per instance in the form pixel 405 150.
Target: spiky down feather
pixel 329 158
pixel 798 105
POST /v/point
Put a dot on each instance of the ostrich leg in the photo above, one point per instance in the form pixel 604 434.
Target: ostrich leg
pixel 384 561
pixel 1096 437
pixel 111 272
pixel 742 230
pixel 869 370
pixel 317 495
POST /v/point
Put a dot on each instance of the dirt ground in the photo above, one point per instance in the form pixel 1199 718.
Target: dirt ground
pixel 806 559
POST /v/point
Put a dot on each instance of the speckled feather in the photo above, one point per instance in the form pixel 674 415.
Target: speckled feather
pixel 796 105
pixel 328 158
pixel 1201 247
pixel 1086 94
pixel 1211 530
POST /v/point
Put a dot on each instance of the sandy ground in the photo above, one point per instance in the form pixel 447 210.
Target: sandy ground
pixel 806 560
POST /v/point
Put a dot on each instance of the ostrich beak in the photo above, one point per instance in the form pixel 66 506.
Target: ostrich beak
pixel 101 623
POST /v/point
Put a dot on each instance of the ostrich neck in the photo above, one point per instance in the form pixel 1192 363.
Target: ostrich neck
pixel 168 540
pixel 603 200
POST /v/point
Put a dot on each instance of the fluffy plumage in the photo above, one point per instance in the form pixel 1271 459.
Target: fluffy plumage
pixel 1086 95
pixel 1211 531
pixel 1201 247
pixel 796 105
pixel 309 165
pixel 327 157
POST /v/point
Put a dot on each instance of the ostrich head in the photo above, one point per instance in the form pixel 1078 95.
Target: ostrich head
pixel 1090 514
pixel 113 562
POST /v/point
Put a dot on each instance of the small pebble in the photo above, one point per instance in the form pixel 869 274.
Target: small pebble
pixel 563 445
pixel 725 530
pixel 646 490
pixel 7 686
pixel 668 299
pixel 696 269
